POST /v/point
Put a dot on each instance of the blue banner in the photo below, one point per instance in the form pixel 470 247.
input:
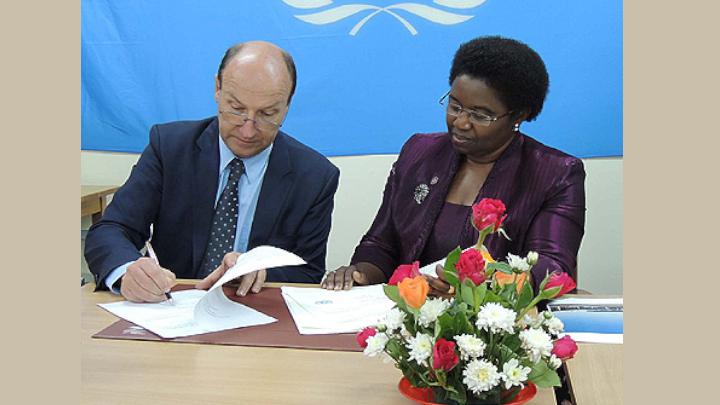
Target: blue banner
pixel 370 72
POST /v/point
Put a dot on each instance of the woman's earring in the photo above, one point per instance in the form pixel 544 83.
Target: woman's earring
pixel 516 128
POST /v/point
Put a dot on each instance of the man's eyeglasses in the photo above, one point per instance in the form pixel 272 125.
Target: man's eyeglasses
pixel 261 122
pixel 476 117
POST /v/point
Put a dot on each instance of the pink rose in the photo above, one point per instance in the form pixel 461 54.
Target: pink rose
pixel 564 348
pixel 363 336
pixel 488 212
pixel 444 356
pixel 471 265
pixel 404 271
pixel 560 279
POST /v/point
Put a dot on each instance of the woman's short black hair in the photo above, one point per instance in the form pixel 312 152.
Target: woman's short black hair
pixel 508 66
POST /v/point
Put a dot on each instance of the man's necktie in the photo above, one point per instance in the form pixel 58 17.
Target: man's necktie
pixel 224 223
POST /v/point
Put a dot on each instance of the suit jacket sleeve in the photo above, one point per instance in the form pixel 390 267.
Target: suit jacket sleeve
pixel 312 235
pixel 125 226
pixel 556 231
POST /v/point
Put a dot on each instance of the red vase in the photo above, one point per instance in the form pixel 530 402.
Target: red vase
pixel 425 396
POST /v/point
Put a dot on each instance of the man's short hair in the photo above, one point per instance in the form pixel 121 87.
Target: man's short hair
pixel 289 63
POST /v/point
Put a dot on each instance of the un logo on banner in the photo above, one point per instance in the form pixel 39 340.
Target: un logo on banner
pixel 429 13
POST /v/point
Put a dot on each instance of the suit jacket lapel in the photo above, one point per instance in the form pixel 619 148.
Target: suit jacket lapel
pixel 273 193
pixel 205 183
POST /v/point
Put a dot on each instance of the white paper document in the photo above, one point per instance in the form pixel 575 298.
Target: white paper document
pixel 318 311
pixel 591 320
pixel 197 311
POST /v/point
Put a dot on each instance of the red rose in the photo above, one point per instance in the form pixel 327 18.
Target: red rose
pixel 404 271
pixel 363 336
pixel 471 265
pixel 562 280
pixel 488 212
pixel 444 356
pixel 564 348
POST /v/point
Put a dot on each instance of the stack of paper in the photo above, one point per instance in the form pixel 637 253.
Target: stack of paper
pixel 593 320
pixel 196 311
pixel 318 311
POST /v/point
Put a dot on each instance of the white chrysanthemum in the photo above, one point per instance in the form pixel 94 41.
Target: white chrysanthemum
pixel 532 257
pixel 470 346
pixel 431 309
pixel 554 325
pixel 376 344
pixel 393 319
pixel 421 347
pixel 517 262
pixel 494 317
pixel 554 362
pixel 480 376
pixel 514 373
pixel 536 343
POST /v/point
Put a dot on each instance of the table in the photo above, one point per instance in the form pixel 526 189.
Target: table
pixel 93 200
pixel 596 374
pixel 126 372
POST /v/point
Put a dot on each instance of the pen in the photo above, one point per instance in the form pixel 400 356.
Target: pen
pixel 153 256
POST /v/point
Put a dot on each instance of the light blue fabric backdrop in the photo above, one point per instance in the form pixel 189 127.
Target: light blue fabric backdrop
pixel 370 72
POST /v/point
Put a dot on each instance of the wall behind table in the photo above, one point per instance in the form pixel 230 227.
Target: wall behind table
pixel 359 195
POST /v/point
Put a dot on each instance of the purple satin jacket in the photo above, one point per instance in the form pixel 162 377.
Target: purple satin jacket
pixel 542 188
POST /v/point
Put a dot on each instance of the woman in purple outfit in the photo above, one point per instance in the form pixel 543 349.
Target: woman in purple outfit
pixel 496 85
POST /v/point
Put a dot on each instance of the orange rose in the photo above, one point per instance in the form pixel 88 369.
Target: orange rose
pixel 414 291
pixel 502 279
pixel 486 255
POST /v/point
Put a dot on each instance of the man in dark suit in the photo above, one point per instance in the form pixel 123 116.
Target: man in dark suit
pixel 217 187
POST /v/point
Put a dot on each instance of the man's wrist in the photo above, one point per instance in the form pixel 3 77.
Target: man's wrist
pixel 113 280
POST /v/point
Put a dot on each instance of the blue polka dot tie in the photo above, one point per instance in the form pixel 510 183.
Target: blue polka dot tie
pixel 224 223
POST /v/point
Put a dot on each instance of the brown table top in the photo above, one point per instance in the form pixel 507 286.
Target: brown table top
pixel 128 371
pixel 596 374
pixel 87 192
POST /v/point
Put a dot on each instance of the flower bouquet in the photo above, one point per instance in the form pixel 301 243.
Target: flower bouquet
pixel 485 344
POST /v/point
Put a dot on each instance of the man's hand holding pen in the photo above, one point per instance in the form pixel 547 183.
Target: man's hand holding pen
pixel 146 281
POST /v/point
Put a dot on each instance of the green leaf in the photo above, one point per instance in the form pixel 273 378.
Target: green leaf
pixel 506 353
pixel 543 376
pixel 410 326
pixel 467 292
pixel 450 272
pixel 480 293
pixel 462 324
pixel 550 292
pixel 393 348
pixel 410 310
pixel 512 342
pixel 544 282
pixel 491 296
pixel 500 266
pixel 391 291
pixel 507 291
pixel 525 297
pixel 458 395
pixel 445 325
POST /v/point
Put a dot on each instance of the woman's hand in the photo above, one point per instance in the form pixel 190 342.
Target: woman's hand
pixel 344 277
pixel 439 287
